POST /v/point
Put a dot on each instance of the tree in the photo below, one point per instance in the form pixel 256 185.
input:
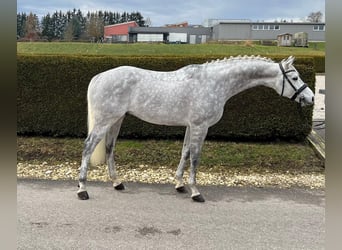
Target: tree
pixel 68 34
pixel 72 30
pixel 74 25
pixel 32 27
pixel 148 22
pixel 124 17
pixel 138 18
pixel 315 17
pixel 60 22
pixel 95 26
pixel 48 30
pixel 53 26
pixel 82 24
pixel 21 24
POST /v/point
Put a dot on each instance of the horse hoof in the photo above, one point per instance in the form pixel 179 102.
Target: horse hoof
pixel 120 187
pixel 198 198
pixel 83 195
pixel 181 189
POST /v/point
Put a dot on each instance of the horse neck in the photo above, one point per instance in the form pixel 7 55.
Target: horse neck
pixel 244 75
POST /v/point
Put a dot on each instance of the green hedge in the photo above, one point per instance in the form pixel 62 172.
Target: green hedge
pixel 52 89
pixel 319 62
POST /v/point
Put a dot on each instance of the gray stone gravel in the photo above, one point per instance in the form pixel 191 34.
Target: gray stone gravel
pixel 165 175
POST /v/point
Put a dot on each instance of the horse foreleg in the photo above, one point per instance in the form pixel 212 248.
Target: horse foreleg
pixel 197 137
pixel 111 137
pixel 185 156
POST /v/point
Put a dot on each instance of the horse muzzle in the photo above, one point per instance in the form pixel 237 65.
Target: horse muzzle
pixel 306 101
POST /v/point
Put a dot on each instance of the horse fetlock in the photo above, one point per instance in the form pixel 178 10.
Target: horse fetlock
pixel 195 194
pixel 81 186
pixel 194 190
pixel 117 184
pixel 82 192
pixel 179 180
pixel 179 184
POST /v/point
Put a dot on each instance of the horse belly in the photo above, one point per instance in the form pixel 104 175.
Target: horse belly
pixel 161 107
pixel 161 115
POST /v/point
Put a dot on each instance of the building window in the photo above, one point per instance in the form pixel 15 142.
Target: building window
pixel 265 27
pixel 319 27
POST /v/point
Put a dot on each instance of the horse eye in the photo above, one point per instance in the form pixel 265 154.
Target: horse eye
pixel 295 78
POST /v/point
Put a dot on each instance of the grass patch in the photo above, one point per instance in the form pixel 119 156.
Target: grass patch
pixel 164 49
pixel 280 156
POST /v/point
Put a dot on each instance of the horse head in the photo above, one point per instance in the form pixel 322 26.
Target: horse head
pixel 292 86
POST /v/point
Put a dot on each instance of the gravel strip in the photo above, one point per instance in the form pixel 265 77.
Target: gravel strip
pixel 146 174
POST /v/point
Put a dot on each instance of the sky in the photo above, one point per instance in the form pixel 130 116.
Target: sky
pixel 176 11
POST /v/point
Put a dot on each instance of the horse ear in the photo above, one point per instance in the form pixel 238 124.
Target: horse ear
pixel 288 62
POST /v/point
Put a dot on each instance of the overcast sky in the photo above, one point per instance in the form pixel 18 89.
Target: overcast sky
pixel 193 11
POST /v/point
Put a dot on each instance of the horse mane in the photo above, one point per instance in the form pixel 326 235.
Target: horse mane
pixel 240 58
pixel 194 69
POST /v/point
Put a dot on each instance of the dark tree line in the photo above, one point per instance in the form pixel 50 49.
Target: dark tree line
pixel 72 25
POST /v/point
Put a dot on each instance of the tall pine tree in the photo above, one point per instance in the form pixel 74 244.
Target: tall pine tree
pixel 21 24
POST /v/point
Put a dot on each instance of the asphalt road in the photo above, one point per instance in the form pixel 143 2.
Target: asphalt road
pixel 151 216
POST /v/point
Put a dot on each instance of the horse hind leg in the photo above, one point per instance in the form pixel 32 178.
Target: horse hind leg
pixel 94 137
pixel 111 138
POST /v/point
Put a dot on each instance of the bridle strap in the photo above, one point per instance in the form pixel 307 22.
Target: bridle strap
pixel 297 91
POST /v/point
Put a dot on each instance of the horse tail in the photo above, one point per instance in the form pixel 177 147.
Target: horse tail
pixel 98 157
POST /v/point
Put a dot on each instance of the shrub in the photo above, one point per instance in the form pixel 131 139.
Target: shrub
pixel 319 62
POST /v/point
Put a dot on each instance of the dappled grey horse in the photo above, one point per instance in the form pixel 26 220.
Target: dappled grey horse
pixel 193 96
